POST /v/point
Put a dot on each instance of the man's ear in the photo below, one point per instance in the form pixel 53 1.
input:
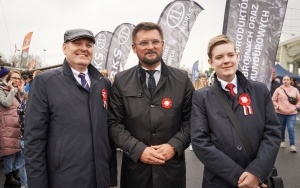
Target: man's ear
pixel 64 47
pixel 209 62
pixel 133 48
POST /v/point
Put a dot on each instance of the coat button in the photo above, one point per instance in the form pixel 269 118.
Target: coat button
pixel 127 152
pixel 153 133
pixel 239 147
pixel 152 105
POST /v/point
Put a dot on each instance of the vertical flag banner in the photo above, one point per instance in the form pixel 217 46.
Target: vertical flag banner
pixel 101 45
pixel 255 26
pixel 25 49
pixel 119 49
pixel 177 20
pixel 195 71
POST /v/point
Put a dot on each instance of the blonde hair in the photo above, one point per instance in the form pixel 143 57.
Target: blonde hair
pixel 10 73
pixel 217 40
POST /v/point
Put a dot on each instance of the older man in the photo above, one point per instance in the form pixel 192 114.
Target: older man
pixel 66 131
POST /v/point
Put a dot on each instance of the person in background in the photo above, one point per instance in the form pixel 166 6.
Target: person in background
pixel 66 132
pixel 27 81
pixel 286 112
pixel 10 97
pixel 216 142
pixel 201 82
pixel 149 115
pixel 35 73
pixel 25 78
pixel 3 75
pixel 104 72
pixel 21 112
pixel 274 83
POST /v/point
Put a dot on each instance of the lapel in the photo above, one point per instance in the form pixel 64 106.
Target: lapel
pixel 243 84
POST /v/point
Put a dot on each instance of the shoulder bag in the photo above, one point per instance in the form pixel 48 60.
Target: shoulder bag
pixel 292 100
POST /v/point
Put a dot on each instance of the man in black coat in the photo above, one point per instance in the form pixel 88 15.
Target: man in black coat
pixel 228 162
pixel 66 132
pixel 274 83
pixel 149 117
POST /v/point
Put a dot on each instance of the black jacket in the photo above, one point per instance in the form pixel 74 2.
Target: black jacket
pixel 218 145
pixel 136 121
pixel 66 133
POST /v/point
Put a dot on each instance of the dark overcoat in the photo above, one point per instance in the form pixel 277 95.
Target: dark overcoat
pixel 216 142
pixel 137 120
pixel 66 132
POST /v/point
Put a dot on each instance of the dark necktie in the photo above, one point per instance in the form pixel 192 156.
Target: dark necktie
pixel 83 81
pixel 230 87
pixel 151 81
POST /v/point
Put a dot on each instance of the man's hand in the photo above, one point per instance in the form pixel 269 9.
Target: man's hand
pixel 248 180
pixel 151 156
pixel 166 150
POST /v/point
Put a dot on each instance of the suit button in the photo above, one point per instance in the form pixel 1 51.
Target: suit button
pixel 239 147
pixel 127 152
pixel 152 105
pixel 141 94
pixel 153 133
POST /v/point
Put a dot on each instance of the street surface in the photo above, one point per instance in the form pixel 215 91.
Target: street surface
pixel 288 166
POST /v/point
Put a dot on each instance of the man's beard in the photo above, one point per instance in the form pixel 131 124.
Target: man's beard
pixel 147 61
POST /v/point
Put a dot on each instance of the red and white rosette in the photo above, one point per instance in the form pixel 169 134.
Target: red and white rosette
pixel 104 98
pixel 166 103
pixel 245 101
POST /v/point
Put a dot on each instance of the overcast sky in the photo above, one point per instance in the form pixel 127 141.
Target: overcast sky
pixel 48 20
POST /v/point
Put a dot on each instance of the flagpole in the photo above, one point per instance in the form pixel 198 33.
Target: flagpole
pixel 44 58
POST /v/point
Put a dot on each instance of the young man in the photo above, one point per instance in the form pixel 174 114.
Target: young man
pixel 66 132
pixel 215 140
pixel 150 115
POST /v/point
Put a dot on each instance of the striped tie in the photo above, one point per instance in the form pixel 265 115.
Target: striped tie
pixel 84 82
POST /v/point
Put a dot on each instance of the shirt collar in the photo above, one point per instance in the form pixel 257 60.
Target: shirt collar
pixel 158 68
pixel 224 83
pixel 76 73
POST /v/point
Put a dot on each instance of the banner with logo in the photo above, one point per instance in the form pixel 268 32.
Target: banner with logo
pixel 119 49
pixel 101 45
pixel 25 50
pixel 195 71
pixel 177 20
pixel 255 26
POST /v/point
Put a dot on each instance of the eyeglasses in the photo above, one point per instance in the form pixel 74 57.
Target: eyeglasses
pixel 154 43
pixel 15 78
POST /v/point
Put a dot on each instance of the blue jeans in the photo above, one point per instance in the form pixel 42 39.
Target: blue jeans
pixel 288 121
pixel 16 162
pixel 22 171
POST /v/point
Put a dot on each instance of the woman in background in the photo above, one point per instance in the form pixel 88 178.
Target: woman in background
pixel 11 94
pixel 286 112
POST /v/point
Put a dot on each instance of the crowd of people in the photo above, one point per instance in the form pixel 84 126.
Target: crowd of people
pixel 13 97
pixel 64 127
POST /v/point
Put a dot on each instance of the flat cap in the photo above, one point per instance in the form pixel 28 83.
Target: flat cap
pixel 75 34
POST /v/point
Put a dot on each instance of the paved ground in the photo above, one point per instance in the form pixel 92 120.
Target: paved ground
pixel 288 166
